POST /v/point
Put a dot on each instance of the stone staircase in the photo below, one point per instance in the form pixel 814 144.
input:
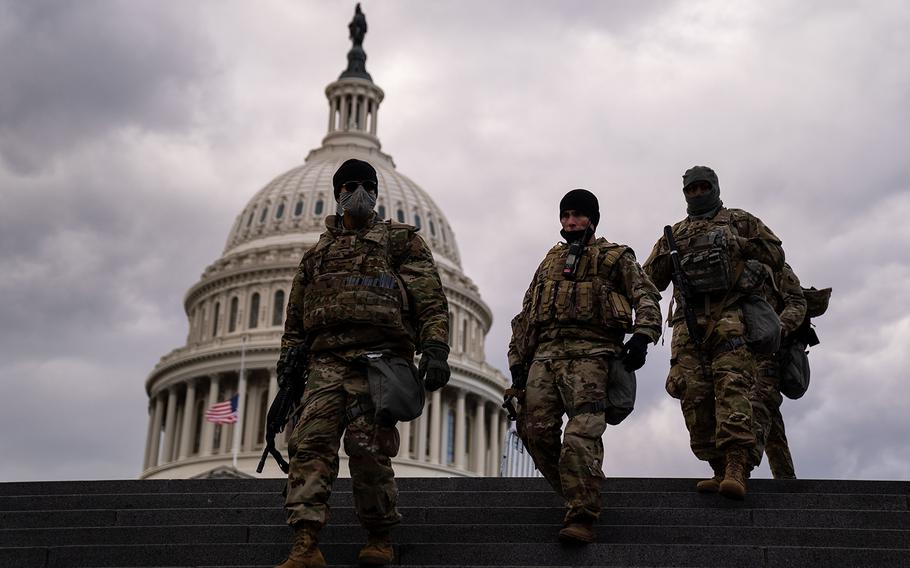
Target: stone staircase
pixel 458 522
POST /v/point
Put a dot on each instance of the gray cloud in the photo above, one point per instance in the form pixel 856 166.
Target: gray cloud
pixel 131 139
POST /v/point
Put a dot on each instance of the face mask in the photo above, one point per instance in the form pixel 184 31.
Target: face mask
pixel 358 205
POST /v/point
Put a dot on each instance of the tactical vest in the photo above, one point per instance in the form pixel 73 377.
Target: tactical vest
pixel 354 281
pixel 588 300
pixel 708 254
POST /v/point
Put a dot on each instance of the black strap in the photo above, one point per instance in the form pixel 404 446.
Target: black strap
pixel 363 404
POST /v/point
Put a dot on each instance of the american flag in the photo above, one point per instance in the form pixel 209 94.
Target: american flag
pixel 223 412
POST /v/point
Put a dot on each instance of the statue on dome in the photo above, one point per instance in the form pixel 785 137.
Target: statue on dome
pixel 358 27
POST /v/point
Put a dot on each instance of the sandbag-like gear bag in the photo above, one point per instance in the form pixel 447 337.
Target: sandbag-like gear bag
pixel 621 386
pixel 763 327
pixel 395 388
pixel 793 369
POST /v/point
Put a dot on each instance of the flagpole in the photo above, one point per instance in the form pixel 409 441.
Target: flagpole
pixel 241 397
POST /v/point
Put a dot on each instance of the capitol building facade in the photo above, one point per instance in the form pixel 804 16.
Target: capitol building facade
pixel 236 316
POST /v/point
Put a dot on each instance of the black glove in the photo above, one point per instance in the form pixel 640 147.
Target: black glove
pixel 634 352
pixel 434 369
pixel 519 377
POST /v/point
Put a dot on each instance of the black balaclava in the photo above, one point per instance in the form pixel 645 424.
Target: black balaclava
pixel 584 202
pixel 360 203
pixel 703 206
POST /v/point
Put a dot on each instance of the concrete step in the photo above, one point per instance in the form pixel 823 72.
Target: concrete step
pixel 459 522
pixel 459 555
pixel 486 500
pixel 513 534
pixel 696 516
pixel 485 484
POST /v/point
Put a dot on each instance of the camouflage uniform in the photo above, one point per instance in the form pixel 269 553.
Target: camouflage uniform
pixel 717 409
pixel 565 333
pixel 786 296
pixel 355 291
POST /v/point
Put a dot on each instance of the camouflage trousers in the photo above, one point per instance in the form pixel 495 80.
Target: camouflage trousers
pixel 333 387
pixel 770 434
pixel 572 463
pixel 717 408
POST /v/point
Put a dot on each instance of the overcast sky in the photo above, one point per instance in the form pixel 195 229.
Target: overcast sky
pixel 132 133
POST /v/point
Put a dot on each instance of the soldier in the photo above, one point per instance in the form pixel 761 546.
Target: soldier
pixel 786 297
pixel 366 286
pixel 725 254
pixel 574 317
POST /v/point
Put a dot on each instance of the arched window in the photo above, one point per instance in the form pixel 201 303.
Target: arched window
pixel 298 209
pixel 249 219
pixel 232 316
pixel 464 336
pixel 417 220
pixel 254 311
pixel 215 318
pixel 442 229
pixel 279 213
pixel 319 207
pixel 278 308
pixel 265 212
pixel 381 211
pixel 432 228
pixel 400 216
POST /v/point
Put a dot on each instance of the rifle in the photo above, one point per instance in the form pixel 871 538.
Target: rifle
pixel 681 283
pixel 292 378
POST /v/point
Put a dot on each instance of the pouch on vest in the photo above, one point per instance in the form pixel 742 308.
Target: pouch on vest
pixel 707 262
pixel 395 389
pixel 762 325
pixel 793 367
pixel 620 391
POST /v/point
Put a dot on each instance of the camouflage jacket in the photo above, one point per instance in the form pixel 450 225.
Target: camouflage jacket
pixel 752 240
pixel 363 290
pixel 588 314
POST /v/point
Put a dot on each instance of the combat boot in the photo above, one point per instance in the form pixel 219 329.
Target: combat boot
pixel 378 549
pixel 712 485
pixel 577 531
pixel 737 471
pixel 305 552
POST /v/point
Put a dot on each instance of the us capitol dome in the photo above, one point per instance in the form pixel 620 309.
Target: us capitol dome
pixel 236 315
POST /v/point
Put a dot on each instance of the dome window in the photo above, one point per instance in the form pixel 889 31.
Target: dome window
pixel 249 220
pixel 265 212
pixel 215 318
pixel 278 308
pixel 279 213
pixel 232 316
pixel 400 216
pixel 381 211
pixel 417 220
pixel 254 311
pixel 432 228
pixel 442 229
pixel 319 207
pixel 298 209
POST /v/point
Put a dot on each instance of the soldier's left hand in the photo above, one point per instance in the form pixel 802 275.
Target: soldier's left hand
pixel 634 352
pixel 434 367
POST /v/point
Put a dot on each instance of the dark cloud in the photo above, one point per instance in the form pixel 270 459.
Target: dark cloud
pixel 84 69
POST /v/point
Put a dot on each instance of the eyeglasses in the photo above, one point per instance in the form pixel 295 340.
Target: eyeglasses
pixel 352 186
